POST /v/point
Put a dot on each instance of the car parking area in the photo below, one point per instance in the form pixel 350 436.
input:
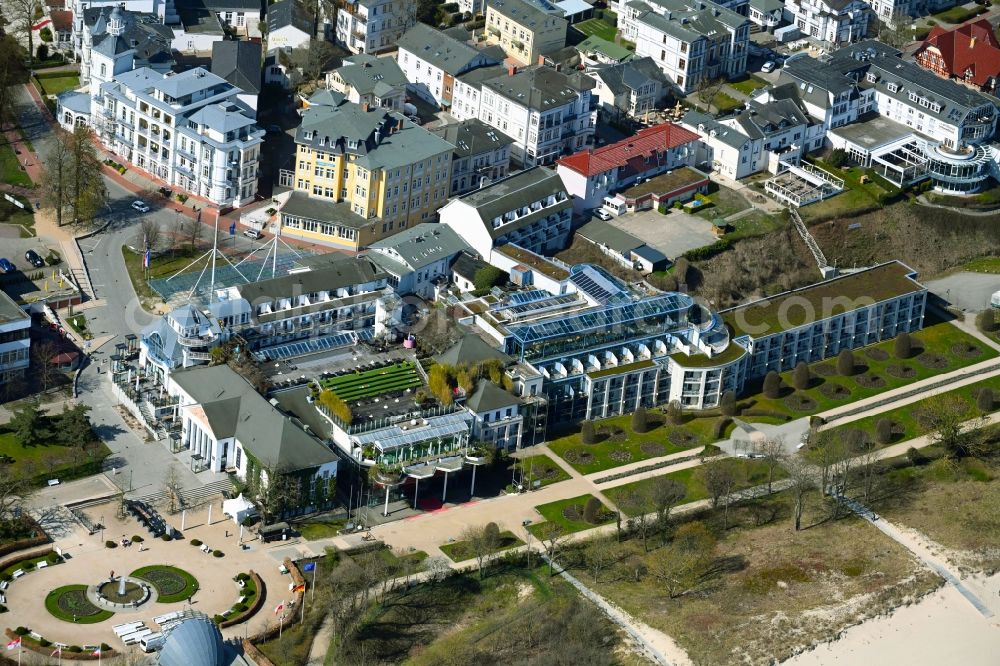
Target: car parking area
pixel 672 234
pixel 26 282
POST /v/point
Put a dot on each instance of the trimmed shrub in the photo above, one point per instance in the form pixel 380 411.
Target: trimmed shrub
pixel 591 510
pixel 42 51
pixel 493 531
pixel 166 537
pixel 883 431
pixel 639 423
pixel 675 415
pixel 915 456
pixel 46 34
pixel 772 384
pixel 587 435
pixel 22 631
pixel 105 647
pixel 137 539
pixel 45 642
pixel 720 425
pixel 800 376
pixel 845 362
pixel 53 558
pixel 240 608
pixel 985 400
pixel 218 619
pixel 217 553
pixel 987 320
pixel 74 648
pixel 110 544
pixel 727 404
pixel 903 346
pixel 195 542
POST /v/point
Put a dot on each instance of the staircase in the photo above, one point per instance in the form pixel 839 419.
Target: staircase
pixel 191 496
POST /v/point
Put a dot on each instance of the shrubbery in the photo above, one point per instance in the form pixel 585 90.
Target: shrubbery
pixel 195 542
pixel 110 544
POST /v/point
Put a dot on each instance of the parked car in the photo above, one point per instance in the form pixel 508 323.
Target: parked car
pixel 6 266
pixel 253 233
pixel 768 66
pixel 603 214
pixel 34 259
pixel 415 119
pixel 140 206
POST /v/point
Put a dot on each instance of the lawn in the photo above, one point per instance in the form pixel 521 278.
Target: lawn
pixel 79 324
pixel 459 551
pixel 52 461
pixel 772 590
pixel 955 503
pixel 160 267
pixel 539 468
pixel 983 265
pixel 172 584
pixel 753 224
pixel 856 198
pixel 723 103
pixel 725 202
pixel 320 530
pixel 69 603
pixel 11 214
pixel 568 514
pixel 959 14
pixel 358 385
pixel 748 85
pixel 617 444
pixel 10 168
pixel 598 27
pixel 911 420
pixel 53 85
pixel 753 473
pixel 938 348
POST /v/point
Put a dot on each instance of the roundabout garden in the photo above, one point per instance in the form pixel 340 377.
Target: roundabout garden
pixel 172 584
pixel 70 603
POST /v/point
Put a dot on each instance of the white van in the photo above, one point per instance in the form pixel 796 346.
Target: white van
pixel 152 642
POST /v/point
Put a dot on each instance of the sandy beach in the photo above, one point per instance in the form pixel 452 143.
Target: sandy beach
pixel 943 628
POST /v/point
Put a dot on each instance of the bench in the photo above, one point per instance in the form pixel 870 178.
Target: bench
pixel 18 573
pixel 4 585
pixel 282 568
pixel 205 548
pixel 127 628
pixel 243 584
pixel 53 482
pixel 3 599
pixel 135 637
pixel 242 599
pixel 42 565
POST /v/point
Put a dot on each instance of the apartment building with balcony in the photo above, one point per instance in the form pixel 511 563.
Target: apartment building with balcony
pixel 181 338
pixel 373 26
pixel 189 130
pixel 418 260
pixel 114 40
pixel 834 22
pixel 530 209
pixel 548 113
pixel 630 89
pixel 85 11
pixel 361 174
pixel 525 29
pixel 690 40
pixel 482 154
pixel 15 340
pixel 431 60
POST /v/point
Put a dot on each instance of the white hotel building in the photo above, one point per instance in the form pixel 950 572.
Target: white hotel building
pixel 189 129
pixel 15 343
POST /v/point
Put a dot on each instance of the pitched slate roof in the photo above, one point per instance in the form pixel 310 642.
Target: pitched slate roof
pixel 339 271
pixel 970 48
pixel 234 409
pixel 288 13
pixel 515 192
pixel 441 50
pixel 602 233
pixel 238 63
pixel 368 74
pixel 631 75
pixel 630 151
pixel 467 265
pixel 472 137
pixel 489 397
pixel 470 350
pixel 540 87
pixel 420 245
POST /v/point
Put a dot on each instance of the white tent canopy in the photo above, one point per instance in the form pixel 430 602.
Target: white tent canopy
pixel 239 508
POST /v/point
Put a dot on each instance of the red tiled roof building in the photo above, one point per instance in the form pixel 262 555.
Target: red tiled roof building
pixel 590 175
pixel 969 53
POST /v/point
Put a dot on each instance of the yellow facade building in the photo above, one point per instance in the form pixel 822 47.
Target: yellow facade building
pixel 362 174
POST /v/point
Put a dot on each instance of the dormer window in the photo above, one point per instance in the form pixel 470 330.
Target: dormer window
pixel 872 77
pixel 307 135
pixel 892 87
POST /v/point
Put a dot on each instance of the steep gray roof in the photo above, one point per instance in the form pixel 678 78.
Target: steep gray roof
pixel 540 87
pixel 705 124
pixel 470 350
pixel 529 14
pixel 421 245
pixel 238 63
pixel 288 13
pixel 467 265
pixel 235 409
pixel 302 205
pixel 224 117
pixel 472 137
pixel 602 233
pixel 142 33
pixel 630 75
pixel 489 397
pixel 441 50
pixel 368 74
pixel 341 271
pixel 762 120
pixel 188 82
pixel 515 192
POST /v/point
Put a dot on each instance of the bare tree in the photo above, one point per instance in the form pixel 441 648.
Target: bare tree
pixel 948 419
pixel 15 491
pixel 636 504
pixel 773 449
pixel 709 89
pixel 483 541
pixel 721 478
pixel 44 356
pixel 599 554
pixel 56 174
pixel 191 232
pixel 149 234
pixel 868 468
pixel 551 536
pixel 803 478
pixel 21 14
pixel 172 488
pixel 681 566
pixel 664 494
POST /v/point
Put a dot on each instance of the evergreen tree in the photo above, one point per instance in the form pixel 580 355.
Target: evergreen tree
pixel 772 384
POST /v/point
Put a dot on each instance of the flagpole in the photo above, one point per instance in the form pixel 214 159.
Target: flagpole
pixel 312 592
pixel 281 622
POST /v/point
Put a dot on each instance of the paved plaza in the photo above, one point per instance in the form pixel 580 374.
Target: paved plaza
pixel 90 562
pixel 672 234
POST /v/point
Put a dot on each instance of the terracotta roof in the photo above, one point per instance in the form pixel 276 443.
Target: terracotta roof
pixel 62 19
pixel 630 151
pixel 971 47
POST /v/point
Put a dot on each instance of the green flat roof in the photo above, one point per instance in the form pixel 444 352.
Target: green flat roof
pixel 534 261
pixel 621 369
pixel 732 353
pixel 800 307
pixel 666 182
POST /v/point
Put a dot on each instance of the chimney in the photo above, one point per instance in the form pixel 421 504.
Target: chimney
pixel 365 107
pixel 541 59
pixel 511 70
